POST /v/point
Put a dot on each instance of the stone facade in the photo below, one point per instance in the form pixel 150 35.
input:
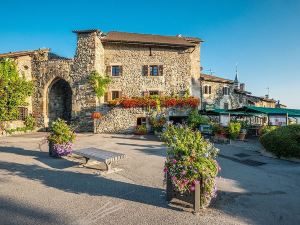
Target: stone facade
pixel 214 96
pixel 54 75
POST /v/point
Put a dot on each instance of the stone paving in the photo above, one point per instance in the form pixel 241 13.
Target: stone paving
pixel 37 189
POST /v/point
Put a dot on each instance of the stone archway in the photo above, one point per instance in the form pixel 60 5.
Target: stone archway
pixel 59 100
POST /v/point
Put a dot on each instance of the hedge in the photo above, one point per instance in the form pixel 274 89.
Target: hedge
pixel 283 142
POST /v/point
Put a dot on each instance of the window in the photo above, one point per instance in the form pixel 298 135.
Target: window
pixel 226 106
pixel 112 95
pixel 153 93
pixel 207 89
pixel 141 121
pixel 116 71
pixel 225 90
pixel 153 70
pixel 23 113
pixel 115 95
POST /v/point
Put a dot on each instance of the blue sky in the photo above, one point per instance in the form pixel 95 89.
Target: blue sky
pixel 262 36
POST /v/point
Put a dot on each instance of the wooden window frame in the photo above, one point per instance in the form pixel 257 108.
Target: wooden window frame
pixel 143 120
pixel 147 70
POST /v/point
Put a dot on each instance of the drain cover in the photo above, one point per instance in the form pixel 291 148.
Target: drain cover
pixel 241 155
pixel 250 162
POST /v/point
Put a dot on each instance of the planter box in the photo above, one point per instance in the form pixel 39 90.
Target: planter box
pixel 52 153
pixel 193 198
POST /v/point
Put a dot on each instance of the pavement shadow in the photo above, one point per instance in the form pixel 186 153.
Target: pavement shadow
pixel 41 157
pixel 158 150
pixel 15 213
pixel 88 183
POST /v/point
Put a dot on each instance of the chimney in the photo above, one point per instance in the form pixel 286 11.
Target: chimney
pixel 267 96
pixel 242 87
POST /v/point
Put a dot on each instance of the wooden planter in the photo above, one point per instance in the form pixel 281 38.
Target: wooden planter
pixel 193 197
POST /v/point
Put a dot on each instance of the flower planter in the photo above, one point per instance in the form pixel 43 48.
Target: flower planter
pixel 193 197
pixel 52 152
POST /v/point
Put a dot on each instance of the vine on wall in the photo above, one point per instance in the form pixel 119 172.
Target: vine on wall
pixel 14 89
pixel 99 83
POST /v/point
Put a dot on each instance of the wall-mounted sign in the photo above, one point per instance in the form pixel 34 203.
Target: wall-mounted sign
pixel 224 120
pixel 209 107
pixel 279 120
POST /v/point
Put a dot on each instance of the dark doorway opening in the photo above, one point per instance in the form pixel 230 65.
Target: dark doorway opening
pixel 59 101
pixel 178 119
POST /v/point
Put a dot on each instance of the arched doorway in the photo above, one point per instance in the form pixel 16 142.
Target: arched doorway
pixel 59 100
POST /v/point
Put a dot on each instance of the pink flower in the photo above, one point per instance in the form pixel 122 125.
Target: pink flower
pixel 165 169
pixel 183 172
pixel 196 182
pixel 173 178
pixel 174 161
pixel 192 188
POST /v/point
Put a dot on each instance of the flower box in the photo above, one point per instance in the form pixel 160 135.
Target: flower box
pixel 192 197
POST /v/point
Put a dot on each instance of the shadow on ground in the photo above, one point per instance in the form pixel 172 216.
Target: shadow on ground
pixel 25 214
pixel 80 183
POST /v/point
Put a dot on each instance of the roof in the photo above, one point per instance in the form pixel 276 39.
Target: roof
pixel 85 31
pixel 149 39
pixel 212 78
pixel 263 98
pixel 268 111
pixel 22 53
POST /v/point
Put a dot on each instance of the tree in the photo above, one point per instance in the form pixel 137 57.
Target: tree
pixel 14 89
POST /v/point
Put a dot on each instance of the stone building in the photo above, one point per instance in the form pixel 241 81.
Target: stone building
pixel 220 93
pixel 136 63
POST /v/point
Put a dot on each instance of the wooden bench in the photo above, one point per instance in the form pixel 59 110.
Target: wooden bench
pixel 100 155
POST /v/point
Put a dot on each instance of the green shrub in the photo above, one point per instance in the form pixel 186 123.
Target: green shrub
pixel 234 129
pixel 283 142
pixel 194 120
pixel 30 122
pixel 267 129
pixel 60 132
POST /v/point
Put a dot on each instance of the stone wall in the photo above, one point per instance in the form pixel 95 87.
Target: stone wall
pixel 218 99
pixel 122 120
pixel 176 69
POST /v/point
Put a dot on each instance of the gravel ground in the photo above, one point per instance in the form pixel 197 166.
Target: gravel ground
pixel 37 189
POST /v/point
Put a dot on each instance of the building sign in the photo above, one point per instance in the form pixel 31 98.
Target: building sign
pixel 224 120
pixel 279 120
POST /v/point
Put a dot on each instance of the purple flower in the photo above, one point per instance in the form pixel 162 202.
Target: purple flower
pixel 166 169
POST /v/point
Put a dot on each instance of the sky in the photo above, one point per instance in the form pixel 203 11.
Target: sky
pixel 261 36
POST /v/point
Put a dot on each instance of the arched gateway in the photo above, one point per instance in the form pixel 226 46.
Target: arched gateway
pixel 59 100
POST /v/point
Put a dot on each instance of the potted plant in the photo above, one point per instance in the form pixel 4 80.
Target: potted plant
pixel 219 131
pixel 157 123
pixel 96 115
pixel 234 129
pixel 141 129
pixel 191 167
pixel 60 139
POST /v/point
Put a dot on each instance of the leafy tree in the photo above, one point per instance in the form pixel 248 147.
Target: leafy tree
pixel 14 89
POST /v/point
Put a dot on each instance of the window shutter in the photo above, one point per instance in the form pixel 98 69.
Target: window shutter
pixel 145 70
pixel 145 93
pixel 120 94
pixel 120 70
pixel 209 90
pixel 109 96
pixel 106 97
pixel 160 70
pixel 108 70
